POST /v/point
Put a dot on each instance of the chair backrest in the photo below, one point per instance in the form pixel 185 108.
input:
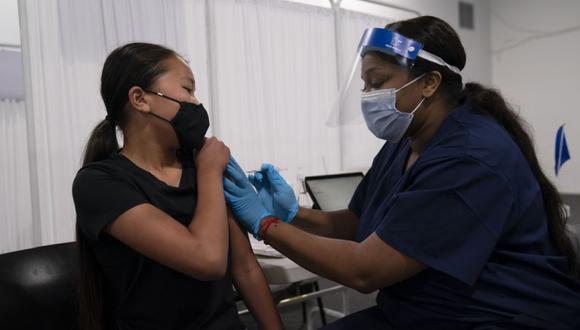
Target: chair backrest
pixel 38 288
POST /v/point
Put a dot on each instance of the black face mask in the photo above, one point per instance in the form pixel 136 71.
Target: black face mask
pixel 190 123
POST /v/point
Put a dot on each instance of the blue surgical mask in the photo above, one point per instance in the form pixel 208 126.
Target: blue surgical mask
pixel 383 118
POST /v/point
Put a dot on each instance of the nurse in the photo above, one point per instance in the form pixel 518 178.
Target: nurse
pixel 455 224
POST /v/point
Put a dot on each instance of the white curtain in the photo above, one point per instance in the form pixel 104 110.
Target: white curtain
pixel 359 145
pixel 267 71
pixel 275 79
pixel 65 43
pixel 16 226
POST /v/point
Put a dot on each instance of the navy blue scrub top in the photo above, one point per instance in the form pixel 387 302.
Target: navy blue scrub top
pixel 471 210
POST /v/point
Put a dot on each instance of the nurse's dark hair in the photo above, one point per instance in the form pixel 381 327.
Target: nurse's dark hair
pixel 440 39
pixel 134 64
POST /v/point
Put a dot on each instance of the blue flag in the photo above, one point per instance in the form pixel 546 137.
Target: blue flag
pixel 562 153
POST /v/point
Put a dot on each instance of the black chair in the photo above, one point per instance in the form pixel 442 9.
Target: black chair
pixel 38 288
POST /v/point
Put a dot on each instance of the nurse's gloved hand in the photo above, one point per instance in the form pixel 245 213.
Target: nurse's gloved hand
pixel 263 190
pixel 242 199
pixel 275 193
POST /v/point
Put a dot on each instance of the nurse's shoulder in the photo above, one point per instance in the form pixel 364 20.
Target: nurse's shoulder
pixel 486 141
pixel 489 144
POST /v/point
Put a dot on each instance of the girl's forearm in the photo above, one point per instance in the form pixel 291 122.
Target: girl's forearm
pixel 209 223
pixel 252 286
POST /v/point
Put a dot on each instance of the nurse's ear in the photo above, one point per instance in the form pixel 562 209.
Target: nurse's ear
pixel 431 83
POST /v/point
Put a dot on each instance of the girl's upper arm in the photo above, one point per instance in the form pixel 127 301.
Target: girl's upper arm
pixel 243 257
pixel 107 202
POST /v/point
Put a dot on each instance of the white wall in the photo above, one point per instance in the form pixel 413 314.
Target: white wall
pixel 9 26
pixel 538 73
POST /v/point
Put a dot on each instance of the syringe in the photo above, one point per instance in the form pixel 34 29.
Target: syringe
pixel 253 172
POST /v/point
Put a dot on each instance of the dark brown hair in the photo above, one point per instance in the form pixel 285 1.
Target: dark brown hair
pixel 134 64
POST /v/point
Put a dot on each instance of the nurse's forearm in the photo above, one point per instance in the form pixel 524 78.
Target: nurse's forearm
pixel 339 224
pixel 335 259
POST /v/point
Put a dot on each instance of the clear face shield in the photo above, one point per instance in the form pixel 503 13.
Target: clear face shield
pixel 404 51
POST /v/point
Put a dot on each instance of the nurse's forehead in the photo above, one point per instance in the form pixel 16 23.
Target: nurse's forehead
pixel 376 65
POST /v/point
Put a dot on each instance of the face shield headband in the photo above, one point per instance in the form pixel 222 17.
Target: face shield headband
pixel 405 50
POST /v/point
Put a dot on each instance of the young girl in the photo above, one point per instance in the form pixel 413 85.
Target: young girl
pixel 158 248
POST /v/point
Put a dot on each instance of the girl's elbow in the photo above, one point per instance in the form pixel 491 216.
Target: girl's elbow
pixel 217 269
pixel 213 268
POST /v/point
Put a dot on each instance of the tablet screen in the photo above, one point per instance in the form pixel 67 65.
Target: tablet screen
pixel 333 192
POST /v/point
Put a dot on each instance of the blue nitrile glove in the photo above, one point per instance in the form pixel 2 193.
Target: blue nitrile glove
pixel 275 193
pixel 242 198
pixel 263 190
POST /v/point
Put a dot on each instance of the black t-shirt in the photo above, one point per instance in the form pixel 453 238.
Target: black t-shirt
pixel 140 293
